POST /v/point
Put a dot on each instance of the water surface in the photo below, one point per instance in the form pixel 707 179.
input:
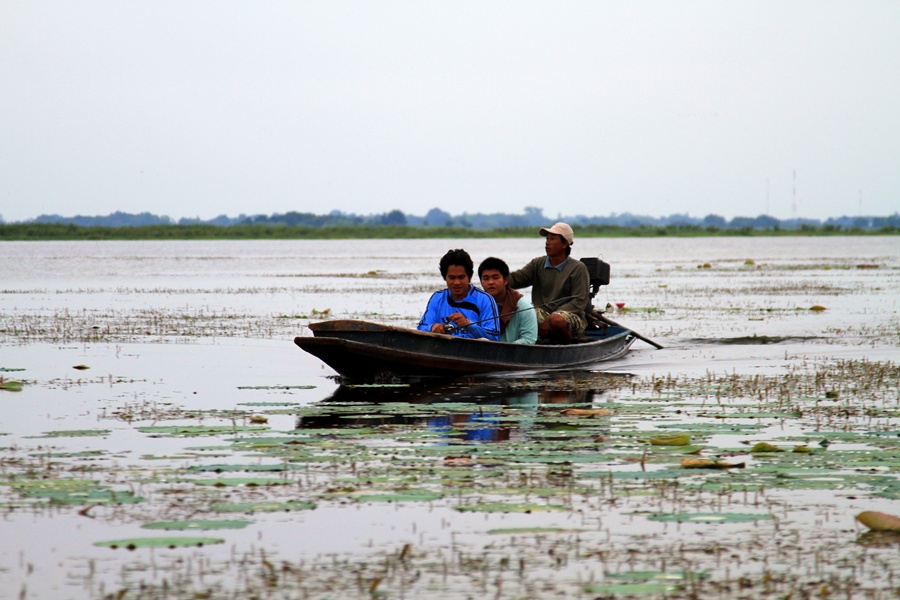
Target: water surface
pixel 199 335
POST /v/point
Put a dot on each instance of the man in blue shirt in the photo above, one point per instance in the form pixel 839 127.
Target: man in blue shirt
pixel 462 309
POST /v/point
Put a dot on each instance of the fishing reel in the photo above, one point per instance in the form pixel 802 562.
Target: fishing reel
pixel 449 326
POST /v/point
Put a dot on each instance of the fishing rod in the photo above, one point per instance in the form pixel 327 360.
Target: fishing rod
pixel 451 327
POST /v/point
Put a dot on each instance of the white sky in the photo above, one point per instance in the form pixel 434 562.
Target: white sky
pixel 200 108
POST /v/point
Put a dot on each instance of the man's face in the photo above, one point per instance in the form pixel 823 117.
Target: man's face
pixel 555 244
pixel 457 281
pixel 493 282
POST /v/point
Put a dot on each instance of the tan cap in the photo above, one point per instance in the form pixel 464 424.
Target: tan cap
pixel 562 229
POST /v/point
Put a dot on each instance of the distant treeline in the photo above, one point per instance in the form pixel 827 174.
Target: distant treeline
pixel 62 231
pixel 437 220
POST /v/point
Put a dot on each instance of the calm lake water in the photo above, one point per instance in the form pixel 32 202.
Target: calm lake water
pixel 200 334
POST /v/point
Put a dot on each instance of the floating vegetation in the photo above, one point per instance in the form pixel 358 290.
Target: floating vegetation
pixel 530 530
pixel 273 387
pixel 710 517
pixel 879 521
pixel 262 506
pixel 671 440
pixel 139 325
pixel 11 385
pixel 73 492
pixel 765 447
pixel 70 433
pixel 195 430
pixel 197 525
pixel 702 463
pixel 503 507
pixel 409 495
pixel 239 481
pixel 585 412
pixel 159 542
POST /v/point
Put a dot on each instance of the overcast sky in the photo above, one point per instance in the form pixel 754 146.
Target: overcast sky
pixel 200 108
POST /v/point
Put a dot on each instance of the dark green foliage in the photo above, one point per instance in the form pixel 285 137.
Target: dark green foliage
pixel 61 231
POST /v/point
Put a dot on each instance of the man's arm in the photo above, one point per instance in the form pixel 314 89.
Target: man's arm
pixel 431 315
pixel 522 277
pixel 489 327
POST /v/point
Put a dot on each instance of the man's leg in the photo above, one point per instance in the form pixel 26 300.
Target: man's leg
pixel 564 326
pixel 543 318
pixel 559 331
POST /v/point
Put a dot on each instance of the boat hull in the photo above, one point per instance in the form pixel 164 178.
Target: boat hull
pixel 360 349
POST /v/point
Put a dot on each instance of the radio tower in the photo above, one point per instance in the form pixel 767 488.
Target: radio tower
pixel 794 205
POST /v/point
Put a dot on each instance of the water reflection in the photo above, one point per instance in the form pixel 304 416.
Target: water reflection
pixel 467 410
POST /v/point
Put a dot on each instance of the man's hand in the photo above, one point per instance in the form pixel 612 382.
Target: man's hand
pixel 459 319
pixel 438 328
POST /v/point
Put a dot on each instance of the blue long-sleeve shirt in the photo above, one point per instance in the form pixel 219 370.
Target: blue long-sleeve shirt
pixel 478 305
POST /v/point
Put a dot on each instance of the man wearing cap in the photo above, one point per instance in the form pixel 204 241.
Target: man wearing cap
pixel 560 286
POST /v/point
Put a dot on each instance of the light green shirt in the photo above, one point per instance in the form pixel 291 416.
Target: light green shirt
pixel 523 326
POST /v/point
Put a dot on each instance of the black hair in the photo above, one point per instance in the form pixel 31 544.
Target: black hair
pixel 495 264
pixel 458 257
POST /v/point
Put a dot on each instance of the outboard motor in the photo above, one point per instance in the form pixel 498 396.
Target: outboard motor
pixel 599 274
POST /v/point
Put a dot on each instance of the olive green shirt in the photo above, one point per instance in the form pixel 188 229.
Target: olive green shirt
pixel 570 278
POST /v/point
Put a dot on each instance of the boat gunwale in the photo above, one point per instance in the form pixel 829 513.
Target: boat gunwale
pixel 465 359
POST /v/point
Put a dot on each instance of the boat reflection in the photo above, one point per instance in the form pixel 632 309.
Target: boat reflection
pixel 489 409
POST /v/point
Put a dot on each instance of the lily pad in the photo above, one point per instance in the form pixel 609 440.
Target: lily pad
pixel 276 468
pixel 709 517
pixel 657 474
pixel 159 542
pixel 267 403
pixel 197 430
pixel 197 525
pixel 276 387
pixel 73 433
pixel 763 447
pixel 502 507
pixel 82 454
pixel 404 496
pixel 879 521
pixel 689 449
pixel 38 486
pixel 531 530
pixel 262 506
pixel 90 497
pixel 238 481
pixel 11 386
pixel 671 440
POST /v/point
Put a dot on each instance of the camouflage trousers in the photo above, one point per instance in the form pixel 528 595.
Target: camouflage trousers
pixel 576 321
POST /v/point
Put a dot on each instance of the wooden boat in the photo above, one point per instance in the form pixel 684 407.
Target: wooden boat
pixel 360 349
